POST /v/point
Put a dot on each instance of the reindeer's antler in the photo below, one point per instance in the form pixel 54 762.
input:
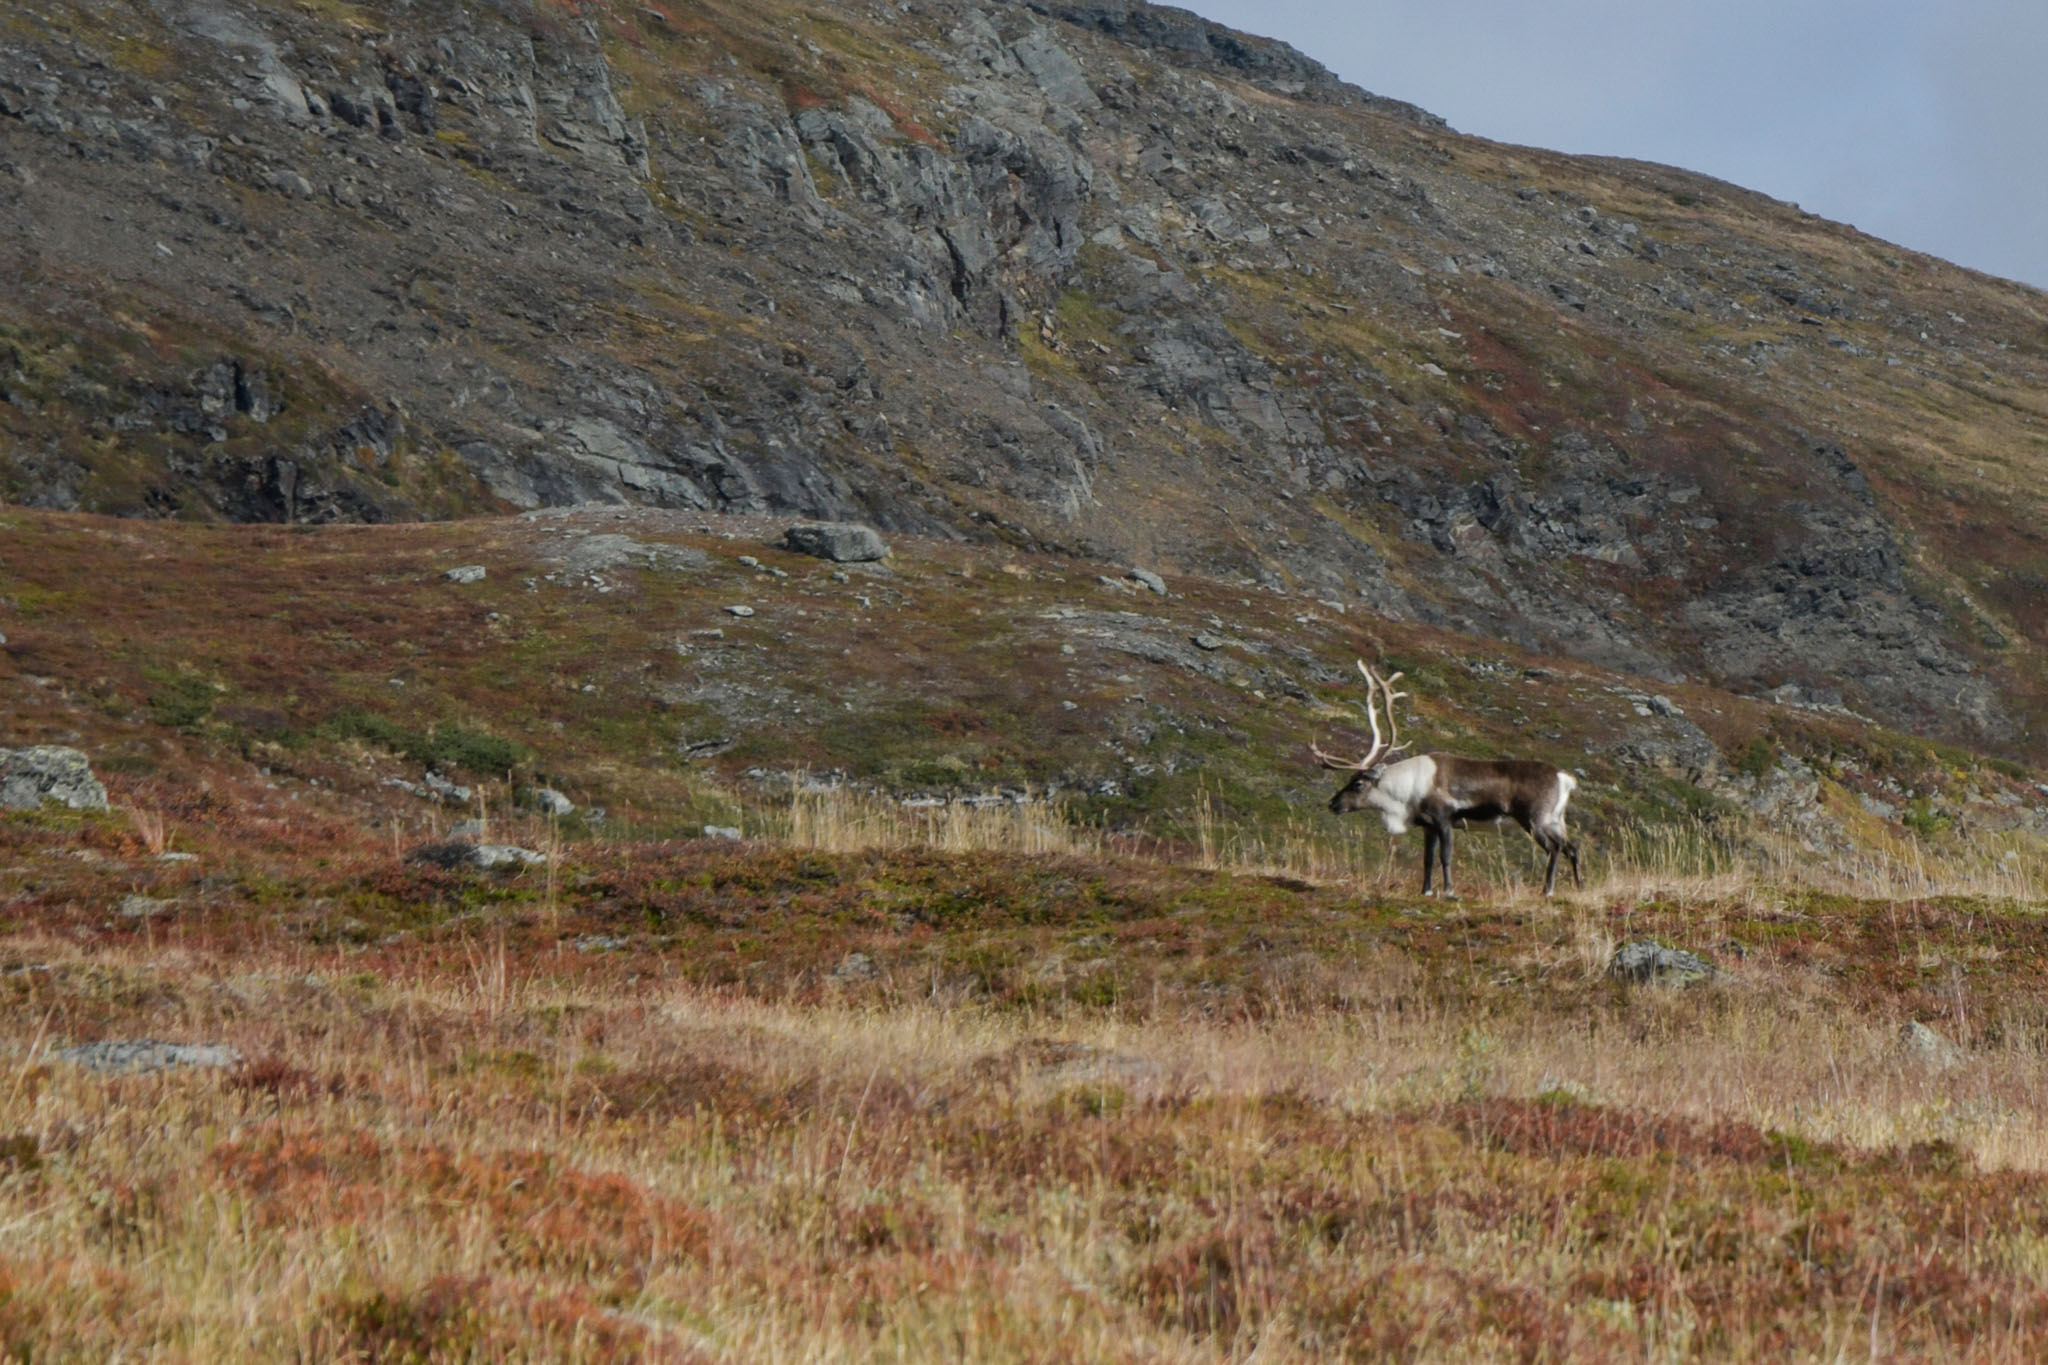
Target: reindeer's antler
pixel 1381 689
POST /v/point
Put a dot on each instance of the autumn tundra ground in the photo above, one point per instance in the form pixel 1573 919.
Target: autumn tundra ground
pixel 1171 1067
pixel 707 1101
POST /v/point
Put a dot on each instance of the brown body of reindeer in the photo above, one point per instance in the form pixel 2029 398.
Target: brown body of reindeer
pixel 1441 792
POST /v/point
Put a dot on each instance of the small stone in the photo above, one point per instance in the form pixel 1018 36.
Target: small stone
pixel 490 857
pixel 145 907
pixel 467 573
pixel 1145 578
pixel 739 610
pixel 1206 641
pixel 1927 1046
pixel 552 802
pixel 1664 706
pixel 439 787
pixel 1643 962
pixel 854 967
pixel 602 943
pixel 839 541
pixel 722 832
pixel 750 561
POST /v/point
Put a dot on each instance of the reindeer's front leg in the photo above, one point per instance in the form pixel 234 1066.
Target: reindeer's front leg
pixel 1444 852
pixel 1428 854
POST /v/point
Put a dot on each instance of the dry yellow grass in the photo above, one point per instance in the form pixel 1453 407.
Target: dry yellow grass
pixel 1687 859
pixel 515 1167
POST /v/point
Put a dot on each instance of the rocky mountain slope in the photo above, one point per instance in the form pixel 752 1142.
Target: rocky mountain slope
pixel 1089 279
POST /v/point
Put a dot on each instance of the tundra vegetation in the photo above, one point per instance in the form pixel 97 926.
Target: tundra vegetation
pixel 1171 1066
pixel 951 956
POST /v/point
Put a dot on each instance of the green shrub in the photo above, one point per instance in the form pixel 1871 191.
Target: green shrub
pixel 1923 819
pixel 179 699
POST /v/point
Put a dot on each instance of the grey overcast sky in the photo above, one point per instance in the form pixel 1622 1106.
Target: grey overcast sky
pixel 1921 121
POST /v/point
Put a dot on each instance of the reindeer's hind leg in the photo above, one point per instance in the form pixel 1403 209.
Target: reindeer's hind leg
pixel 1428 854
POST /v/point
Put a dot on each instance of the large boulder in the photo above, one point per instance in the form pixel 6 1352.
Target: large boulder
pixel 839 541
pixel 46 772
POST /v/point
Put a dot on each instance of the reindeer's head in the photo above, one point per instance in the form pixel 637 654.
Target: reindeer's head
pixel 1366 771
pixel 1357 793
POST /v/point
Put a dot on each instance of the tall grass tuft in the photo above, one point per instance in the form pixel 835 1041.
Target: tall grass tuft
pixel 841 821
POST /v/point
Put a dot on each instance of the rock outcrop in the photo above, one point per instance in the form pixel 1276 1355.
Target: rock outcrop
pixel 44 773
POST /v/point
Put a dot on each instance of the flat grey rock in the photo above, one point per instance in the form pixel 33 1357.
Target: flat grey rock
pixel 147 1054
pixel 1644 963
pixel 455 855
pixel 467 573
pixel 603 553
pixel 145 907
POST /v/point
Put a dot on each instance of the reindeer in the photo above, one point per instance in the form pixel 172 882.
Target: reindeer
pixel 1439 791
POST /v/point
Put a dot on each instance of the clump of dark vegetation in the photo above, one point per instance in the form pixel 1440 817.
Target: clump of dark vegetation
pixel 443 745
